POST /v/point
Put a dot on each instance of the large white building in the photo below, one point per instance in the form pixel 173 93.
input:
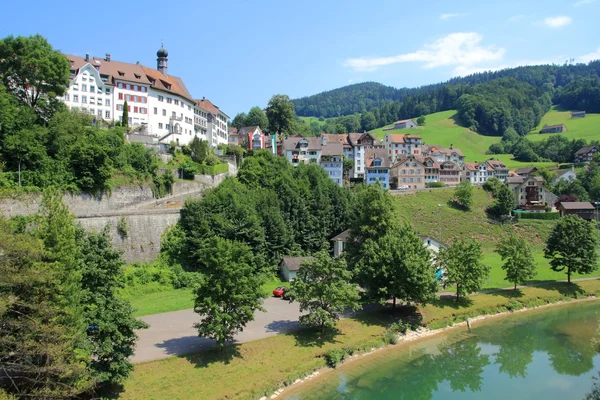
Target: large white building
pixel 158 104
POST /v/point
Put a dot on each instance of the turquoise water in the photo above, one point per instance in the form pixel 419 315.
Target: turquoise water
pixel 547 354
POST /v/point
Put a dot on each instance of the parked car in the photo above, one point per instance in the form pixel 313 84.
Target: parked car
pixel 403 187
pixel 279 291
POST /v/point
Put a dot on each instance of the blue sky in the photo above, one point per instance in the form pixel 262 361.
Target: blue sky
pixel 238 54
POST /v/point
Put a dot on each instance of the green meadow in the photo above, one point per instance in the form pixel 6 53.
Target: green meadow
pixel 587 128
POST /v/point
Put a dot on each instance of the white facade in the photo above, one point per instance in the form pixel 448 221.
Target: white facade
pixel 89 94
pixel 158 104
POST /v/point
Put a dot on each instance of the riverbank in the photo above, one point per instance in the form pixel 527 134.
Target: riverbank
pixel 412 338
pixel 260 368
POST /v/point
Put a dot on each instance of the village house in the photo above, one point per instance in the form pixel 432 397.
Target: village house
pixel 525 171
pixel 432 170
pixel 585 154
pixel 289 266
pixel 585 210
pixel 329 156
pixel 408 171
pixel 339 243
pixel 477 173
pixel 398 145
pixel 354 146
pixel 233 137
pixel 554 128
pixel 440 154
pixel 501 171
pixel 578 114
pixel 253 136
pixel 450 173
pixel 528 191
pixel 403 124
pixel 377 167
pixel 568 175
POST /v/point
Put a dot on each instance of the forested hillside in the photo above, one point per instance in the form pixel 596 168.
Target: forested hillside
pixel 492 102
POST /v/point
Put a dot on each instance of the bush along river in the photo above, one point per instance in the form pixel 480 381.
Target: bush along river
pixel 542 354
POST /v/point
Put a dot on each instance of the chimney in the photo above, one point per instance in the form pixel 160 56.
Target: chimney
pixel 87 57
pixel 107 57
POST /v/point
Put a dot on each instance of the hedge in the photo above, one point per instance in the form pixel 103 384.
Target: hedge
pixel 537 215
pixel 435 184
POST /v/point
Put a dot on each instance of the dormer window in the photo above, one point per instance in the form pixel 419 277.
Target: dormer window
pixel 137 76
pixel 121 73
pixel 377 162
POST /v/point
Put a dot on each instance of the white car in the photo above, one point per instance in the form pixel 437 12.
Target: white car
pixel 403 187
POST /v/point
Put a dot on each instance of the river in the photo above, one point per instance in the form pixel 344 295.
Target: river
pixel 543 354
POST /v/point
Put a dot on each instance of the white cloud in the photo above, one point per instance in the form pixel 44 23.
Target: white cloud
pixel 516 18
pixel 464 71
pixel 451 15
pixel 558 22
pixel 594 55
pixel 583 2
pixel 460 49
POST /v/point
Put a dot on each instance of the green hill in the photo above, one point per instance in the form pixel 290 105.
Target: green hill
pixel 442 129
pixel 423 212
pixel 587 128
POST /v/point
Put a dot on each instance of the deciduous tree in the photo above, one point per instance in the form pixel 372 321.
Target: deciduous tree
pixel 464 267
pixel 257 117
pixel 572 246
pixel 519 263
pixel 230 292
pixel 322 287
pixel 463 194
pixel 280 112
pixel 125 117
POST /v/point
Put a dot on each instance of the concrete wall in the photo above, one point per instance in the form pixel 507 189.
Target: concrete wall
pixel 144 230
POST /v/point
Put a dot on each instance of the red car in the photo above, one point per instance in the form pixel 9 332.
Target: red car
pixel 279 291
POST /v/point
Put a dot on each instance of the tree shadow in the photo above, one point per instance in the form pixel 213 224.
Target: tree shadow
pixel 223 355
pixel 566 289
pixel 314 337
pixel 112 391
pixel 387 314
pixel 282 326
pixel 453 204
pixel 507 293
pixel 186 345
pixel 449 300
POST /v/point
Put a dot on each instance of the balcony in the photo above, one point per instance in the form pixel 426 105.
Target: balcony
pixel 175 118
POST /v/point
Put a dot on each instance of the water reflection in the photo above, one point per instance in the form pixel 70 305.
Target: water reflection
pixel 494 356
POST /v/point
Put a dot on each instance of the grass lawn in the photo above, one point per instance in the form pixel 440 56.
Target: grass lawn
pixel 250 370
pixel 177 299
pixel 579 128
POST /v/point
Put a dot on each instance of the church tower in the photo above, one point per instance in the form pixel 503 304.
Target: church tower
pixel 161 64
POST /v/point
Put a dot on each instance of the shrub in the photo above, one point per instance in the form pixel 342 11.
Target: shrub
pixel 390 337
pixel 538 215
pixel 122 228
pixel 434 184
pixel 335 356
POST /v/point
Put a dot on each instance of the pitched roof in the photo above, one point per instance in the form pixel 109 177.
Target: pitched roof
pixel 585 150
pixel 497 164
pixel 525 170
pixel 135 73
pixel 395 137
pixel 515 179
pixel 342 236
pixel 354 138
pixel 332 149
pixel 335 137
pixel 293 263
pixel 471 166
pixel 292 142
pixel 372 154
pixel 576 205
pixel 404 120
pixel 425 238
pixel 250 128
pixel 207 105
pixel 545 127
pixel 562 172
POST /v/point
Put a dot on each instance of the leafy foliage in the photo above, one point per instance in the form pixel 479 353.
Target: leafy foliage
pixel 464 267
pixel 280 112
pixel 572 246
pixel 519 263
pixel 230 292
pixel 322 288
pixel 463 195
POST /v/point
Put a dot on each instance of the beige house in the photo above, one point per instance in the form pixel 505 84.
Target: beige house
pixel 408 171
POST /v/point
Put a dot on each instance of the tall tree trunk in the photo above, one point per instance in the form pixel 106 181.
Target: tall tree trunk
pixel 515 285
pixel 457 293
pixel 568 275
pixel 394 297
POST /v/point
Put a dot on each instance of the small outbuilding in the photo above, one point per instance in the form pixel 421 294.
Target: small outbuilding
pixel 554 128
pixel 578 114
pixel 583 209
pixel 289 266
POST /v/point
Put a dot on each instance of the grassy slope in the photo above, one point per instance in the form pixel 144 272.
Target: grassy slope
pixel 442 130
pixel 421 210
pixel 587 128
pixel 252 369
pixel 177 299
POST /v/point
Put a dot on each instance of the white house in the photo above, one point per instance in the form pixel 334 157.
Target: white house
pixel 398 145
pixel 289 266
pixel 478 173
pixel 313 150
pixel 339 243
pixel 403 124
pixel 568 175
pixel 216 122
pixel 159 104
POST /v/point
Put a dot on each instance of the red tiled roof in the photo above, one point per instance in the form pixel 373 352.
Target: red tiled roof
pixel 206 105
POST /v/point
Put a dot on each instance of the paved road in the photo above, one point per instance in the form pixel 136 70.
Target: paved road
pixel 172 333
